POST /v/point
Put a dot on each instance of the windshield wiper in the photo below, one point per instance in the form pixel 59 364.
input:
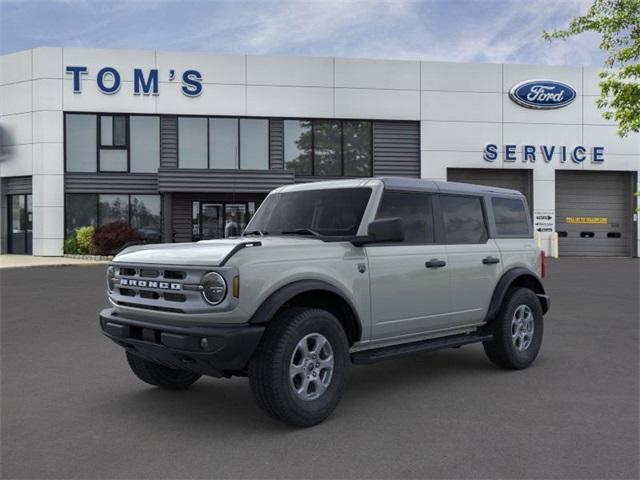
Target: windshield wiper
pixel 255 232
pixel 301 231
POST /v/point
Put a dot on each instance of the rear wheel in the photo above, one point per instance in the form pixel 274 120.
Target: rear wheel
pixel 517 330
pixel 298 372
pixel 159 375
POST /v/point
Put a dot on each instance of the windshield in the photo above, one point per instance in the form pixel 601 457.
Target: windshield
pixel 326 212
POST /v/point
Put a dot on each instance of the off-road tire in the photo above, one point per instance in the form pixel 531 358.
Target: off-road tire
pixel 269 367
pixel 159 375
pixel 501 349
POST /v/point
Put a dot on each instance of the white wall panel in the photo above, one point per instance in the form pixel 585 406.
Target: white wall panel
pixel 461 106
pixel 48 190
pixel 459 136
pixel 15 129
pixel 591 78
pixel 461 77
pixel 514 74
pixel 542 134
pixel 15 98
pixel 47 222
pixel 47 94
pixel 48 247
pixel 614 144
pixel 15 67
pixel 48 126
pixel 16 161
pixel 213 68
pixel 124 61
pixel 214 100
pixel 592 114
pixel 377 104
pixel 392 74
pixel 47 62
pixel 290 71
pixel 48 158
pixel 544 197
pixel 289 101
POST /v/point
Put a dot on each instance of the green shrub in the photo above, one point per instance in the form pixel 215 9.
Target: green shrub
pixel 71 245
pixel 84 237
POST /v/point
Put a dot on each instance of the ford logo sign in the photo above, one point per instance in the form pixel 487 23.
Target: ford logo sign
pixel 542 94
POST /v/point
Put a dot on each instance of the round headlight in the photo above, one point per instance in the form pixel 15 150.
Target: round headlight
pixel 214 288
pixel 111 273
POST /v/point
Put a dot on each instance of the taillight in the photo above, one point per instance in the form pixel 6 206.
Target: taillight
pixel 543 264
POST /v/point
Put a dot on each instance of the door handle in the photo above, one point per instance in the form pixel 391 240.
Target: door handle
pixel 490 260
pixel 435 263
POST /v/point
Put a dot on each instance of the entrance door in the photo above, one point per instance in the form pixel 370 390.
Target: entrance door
pixel 211 221
pixel 20 224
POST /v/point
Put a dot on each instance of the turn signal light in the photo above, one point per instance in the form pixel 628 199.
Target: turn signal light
pixel 236 286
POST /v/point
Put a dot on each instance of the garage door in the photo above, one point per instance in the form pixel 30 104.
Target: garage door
pixel 594 213
pixel 520 179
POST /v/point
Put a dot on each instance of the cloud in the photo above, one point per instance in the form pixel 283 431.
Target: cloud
pixel 454 30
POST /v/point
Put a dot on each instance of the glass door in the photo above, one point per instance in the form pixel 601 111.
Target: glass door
pixel 211 221
pixel 20 224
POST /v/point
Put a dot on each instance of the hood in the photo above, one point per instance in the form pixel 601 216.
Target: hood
pixel 204 253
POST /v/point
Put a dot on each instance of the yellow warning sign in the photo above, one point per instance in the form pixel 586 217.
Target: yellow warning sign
pixel 587 220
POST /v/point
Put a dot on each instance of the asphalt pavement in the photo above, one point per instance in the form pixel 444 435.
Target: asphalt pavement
pixel 70 407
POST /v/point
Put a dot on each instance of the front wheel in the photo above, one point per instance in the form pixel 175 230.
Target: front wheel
pixel 298 372
pixel 517 330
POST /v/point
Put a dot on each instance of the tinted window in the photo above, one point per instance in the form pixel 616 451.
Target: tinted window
pixel 357 149
pixel 145 216
pixel 223 142
pixel 327 138
pixel 463 219
pixel 112 208
pixel 192 142
pixel 80 142
pixel 415 211
pixel 145 143
pixel 254 144
pixel 297 146
pixel 80 211
pixel 510 216
pixel 330 212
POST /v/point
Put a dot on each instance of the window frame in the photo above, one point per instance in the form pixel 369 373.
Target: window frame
pixel 98 116
pixel 234 117
pixel 527 213
pixel 341 121
pixel 438 238
pixel 485 217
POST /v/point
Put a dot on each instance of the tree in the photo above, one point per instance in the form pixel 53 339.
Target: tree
pixel 618 23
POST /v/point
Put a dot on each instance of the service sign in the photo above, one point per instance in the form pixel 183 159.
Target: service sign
pixel 542 94
pixel 544 220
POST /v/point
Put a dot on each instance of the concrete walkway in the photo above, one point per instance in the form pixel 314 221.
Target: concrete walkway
pixel 25 261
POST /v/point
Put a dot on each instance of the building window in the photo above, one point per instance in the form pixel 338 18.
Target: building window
pixel 224 143
pixel 142 212
pixel 80 142
pixel 144 143
pixel 330 148
pixel 297 146
pixel 211 220
pixel 254 144
pixel 112 143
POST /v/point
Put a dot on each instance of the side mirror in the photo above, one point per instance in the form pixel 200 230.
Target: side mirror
pixel 383 230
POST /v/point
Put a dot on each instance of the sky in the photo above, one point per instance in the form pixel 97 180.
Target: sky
pixel 486 31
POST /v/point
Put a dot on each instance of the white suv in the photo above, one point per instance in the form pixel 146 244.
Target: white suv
pixel 328 274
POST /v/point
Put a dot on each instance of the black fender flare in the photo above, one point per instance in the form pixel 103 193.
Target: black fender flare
pixel 280 297
pixel 507 280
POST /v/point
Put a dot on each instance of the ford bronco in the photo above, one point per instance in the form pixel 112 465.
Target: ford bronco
pixel 330 274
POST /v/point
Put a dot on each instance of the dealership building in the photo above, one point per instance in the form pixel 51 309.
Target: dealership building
pixel 185 146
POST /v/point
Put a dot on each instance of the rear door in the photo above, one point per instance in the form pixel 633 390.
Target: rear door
pixel 409 280
pixel 474 259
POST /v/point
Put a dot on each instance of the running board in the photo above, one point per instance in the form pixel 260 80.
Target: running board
pixel 387 353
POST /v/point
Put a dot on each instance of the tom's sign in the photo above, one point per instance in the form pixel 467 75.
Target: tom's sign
pixel 542 94
pixel 108 80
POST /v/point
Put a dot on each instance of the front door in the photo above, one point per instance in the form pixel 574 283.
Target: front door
pixel 20 224
pixel 410 280
pixel 211 219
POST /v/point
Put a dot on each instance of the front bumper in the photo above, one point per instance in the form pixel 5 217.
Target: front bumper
pixel 227 349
